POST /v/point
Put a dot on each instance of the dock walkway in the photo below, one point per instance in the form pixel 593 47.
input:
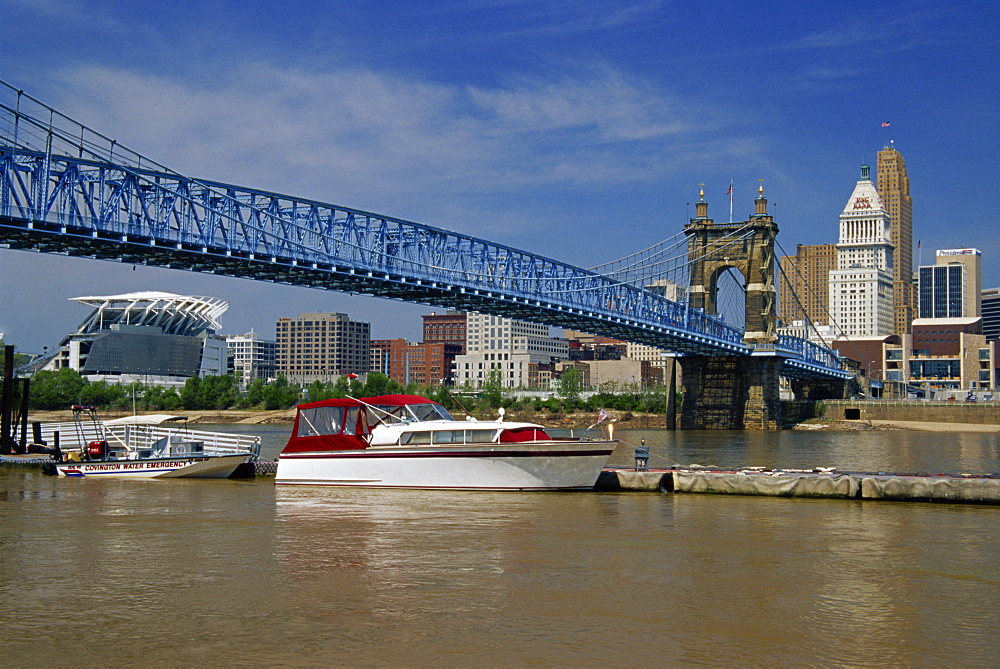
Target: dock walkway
pixel 818 483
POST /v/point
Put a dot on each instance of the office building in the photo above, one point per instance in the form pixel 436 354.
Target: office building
pixel 322 347
pixel 804 286
pixel 941 291
pixel 447 328
pixel 869 355
pixel 950 354
pixel 861 288
pixel 155 338
pixel 512 347
pixel 952 288
pixel 586 346
pixel 990 306
pixel 423 363
pixel 382 354
pixel 894 193
pixel 251 358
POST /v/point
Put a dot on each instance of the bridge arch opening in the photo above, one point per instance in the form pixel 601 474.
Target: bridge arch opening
pixel 727 291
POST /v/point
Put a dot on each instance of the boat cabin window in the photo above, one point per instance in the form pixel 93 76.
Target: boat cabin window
pixel 448 437
pixel 328 420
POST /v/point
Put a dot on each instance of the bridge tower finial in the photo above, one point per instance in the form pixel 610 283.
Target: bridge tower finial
pixel 760 200
pixel 701 206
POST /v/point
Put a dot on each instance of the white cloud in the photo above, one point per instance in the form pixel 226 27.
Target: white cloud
pixel 353 130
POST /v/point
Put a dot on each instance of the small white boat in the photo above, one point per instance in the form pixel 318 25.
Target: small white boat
pixel 407 441
pixel 145 447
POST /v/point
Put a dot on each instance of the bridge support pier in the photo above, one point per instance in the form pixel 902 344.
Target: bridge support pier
pixel 731 393
pixel 819 389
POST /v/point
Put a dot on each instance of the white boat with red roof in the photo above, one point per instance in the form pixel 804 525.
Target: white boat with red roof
pixel 408 441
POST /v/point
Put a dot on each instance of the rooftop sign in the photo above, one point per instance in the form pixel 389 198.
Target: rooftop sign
pixel 959 252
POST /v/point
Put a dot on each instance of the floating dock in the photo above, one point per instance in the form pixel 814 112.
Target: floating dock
pixel 817 483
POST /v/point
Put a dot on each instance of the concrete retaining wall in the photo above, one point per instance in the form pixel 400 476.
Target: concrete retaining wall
pixel 979 413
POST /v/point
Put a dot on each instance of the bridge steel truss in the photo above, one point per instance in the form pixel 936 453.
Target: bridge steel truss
pixel 81 207
pixel 106 203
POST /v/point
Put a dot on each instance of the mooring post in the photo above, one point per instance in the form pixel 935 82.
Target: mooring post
pixel 642 457
pixel 672 396
pixel 6 441
pixel 25 393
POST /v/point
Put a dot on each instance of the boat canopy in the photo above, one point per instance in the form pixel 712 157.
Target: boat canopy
pixel 407 408
pixel 152 419
pixel 329 425
pixel 398 399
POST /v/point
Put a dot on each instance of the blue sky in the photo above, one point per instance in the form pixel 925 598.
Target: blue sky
pixel 577 130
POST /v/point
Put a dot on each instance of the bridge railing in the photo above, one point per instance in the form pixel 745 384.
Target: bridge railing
pixel 810 351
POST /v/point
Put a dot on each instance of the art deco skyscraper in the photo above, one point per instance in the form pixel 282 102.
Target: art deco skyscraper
pixel 894 192
pixel 861 286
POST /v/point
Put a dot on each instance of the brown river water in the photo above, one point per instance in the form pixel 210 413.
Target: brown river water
pixel 239 573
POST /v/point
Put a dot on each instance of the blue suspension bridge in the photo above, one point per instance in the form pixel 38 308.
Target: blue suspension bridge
pixel 67 189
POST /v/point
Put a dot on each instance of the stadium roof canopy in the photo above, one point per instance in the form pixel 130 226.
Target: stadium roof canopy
pixel 173 314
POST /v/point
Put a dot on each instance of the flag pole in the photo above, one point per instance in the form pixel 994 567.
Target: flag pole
pixel 730 200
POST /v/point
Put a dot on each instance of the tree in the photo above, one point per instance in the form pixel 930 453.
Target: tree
pixel 254 395
pixel 280 394
pixel 492 390
pixel 570 384
pixel 191 394
pixel 378 383
pixel 56 390
pixel 218 392
pixel 162 399
pixel 103 394
pixel 321 390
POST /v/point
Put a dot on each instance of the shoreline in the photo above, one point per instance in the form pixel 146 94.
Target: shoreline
pixel 624 421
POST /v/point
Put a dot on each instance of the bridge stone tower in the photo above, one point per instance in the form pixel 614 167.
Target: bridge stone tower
pixel 731 392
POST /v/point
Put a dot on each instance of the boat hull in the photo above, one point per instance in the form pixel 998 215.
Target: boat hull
pixel 217 466
pixel 520 466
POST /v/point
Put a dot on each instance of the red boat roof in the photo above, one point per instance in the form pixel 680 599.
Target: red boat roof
pixel 397 400
pixel 332 431
pixel 341 402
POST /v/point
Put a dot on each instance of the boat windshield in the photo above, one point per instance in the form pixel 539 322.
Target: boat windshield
pixel 429 412
pixel 413 412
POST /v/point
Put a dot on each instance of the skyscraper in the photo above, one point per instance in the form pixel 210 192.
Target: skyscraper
pixel 803 292
pixel 991 313
pixel 322 346
pixel 953 287
pixel 861 286
pixel 894 192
